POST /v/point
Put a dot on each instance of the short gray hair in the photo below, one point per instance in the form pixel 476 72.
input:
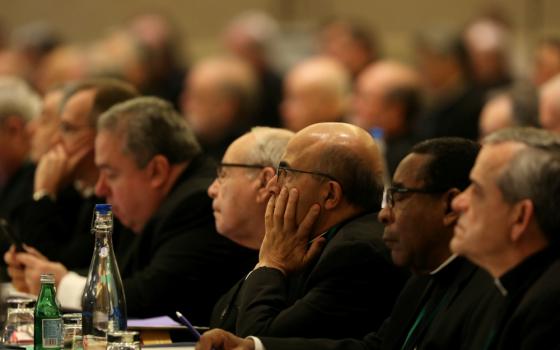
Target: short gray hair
pixel 18 99
pixel 151 126
pixel 534 174
pixel 270 144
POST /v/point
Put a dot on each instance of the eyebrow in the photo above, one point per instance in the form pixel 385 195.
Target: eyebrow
pixel 283 163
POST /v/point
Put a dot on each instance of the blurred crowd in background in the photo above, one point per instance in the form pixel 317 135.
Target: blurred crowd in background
pixel 459 83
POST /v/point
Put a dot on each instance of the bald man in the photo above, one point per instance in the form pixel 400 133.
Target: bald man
pixel 387 97
pixel 316 90
pixel 219 102
pixel 326 191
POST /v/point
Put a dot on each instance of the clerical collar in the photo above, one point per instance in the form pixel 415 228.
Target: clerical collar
pixel 526 272
pixel 444 264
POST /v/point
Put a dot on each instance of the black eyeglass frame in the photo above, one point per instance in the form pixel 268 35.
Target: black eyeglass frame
pixel 237 165
pixel 389 201
pixel 316 173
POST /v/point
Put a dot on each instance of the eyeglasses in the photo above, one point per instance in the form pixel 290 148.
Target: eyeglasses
pixel 389 194
pixel 220 168
pixel 282 171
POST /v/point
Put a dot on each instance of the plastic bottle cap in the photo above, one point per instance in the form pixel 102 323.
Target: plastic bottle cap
pixel 103 208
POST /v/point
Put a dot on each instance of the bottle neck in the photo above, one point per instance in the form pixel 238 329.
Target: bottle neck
pixel 47 291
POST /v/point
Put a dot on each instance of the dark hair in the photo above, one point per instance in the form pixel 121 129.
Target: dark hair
pixel 452 159
pixel 361 186
pixel 108 92
pixel 150 126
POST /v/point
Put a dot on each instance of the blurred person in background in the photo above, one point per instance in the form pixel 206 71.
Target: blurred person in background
pixel 547 60
pixel 315 90
pixel 549 105
pixel 19 104
pixel 219 101
pixel 251 36
pixel 350 42
pixel 387 100
pixel 487 41
pixel 453 104
pixel 62 65
pixel 517 106
pixel 161 42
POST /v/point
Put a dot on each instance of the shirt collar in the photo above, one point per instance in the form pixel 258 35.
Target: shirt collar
pixel 444 264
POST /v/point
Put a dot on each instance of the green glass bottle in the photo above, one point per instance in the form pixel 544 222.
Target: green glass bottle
pixel 48 319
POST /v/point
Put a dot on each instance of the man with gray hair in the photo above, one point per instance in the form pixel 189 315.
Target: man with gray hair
pixel 18 105
pixel 154 175
pixel 239 195
pixel 509 225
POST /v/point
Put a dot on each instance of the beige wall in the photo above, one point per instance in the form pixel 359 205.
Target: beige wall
pixel 202 20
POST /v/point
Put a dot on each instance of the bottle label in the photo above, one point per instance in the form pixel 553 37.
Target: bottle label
pixel 52 333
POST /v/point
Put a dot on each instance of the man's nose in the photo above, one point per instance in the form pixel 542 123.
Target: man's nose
pixel 213 189
pixel 385 216
pixel 101 186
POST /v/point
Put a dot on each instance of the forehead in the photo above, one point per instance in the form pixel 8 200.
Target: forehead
pixel 410 171
pixel 108 148
pixel 303 149
pixel 78 107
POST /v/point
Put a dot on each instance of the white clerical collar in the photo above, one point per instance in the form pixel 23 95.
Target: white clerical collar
pixel 445 263
pixel 500 287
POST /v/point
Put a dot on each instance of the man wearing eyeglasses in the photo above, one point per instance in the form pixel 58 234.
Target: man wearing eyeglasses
pixel 239 197
pixel 433 310
pixel 57 220
pixel 348 288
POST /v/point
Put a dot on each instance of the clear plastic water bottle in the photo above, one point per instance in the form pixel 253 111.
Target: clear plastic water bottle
pixel 103 302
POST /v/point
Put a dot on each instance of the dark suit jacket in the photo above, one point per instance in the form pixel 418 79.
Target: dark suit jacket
pixel 61 229
pixel 17 191
pixel 529 317
pixel 465 286
pixel 348 291
pixel 179 262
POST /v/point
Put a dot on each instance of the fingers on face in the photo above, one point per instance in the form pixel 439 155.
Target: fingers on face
pixel 280 207
pixel 291 209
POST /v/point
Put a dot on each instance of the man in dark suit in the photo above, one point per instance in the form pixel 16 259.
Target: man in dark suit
pixel 154 175
pixel 18 105
pixel 56 220
pixel 336 168
pixel 433 308
pixel 509 226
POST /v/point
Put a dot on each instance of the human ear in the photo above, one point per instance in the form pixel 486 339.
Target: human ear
pixel 333 195
pixel 158 171
pixel 264 177
pixel 521 215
